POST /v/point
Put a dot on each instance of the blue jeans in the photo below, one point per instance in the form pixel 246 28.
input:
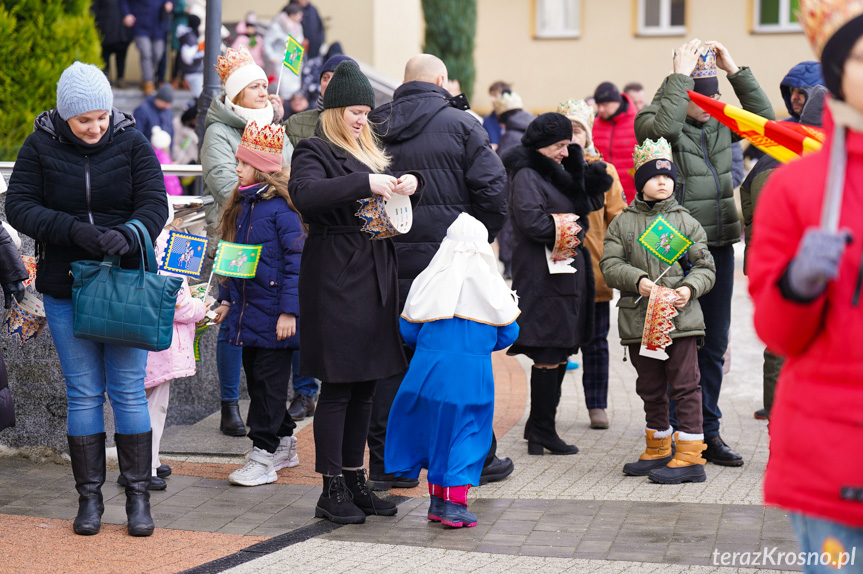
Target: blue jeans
pixel 92 368
pixel 304 385
pixel 229 364
pixel 716 307
pixel 812 534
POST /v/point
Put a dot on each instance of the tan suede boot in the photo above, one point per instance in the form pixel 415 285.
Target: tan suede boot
pixel 148 88
pixel 686 466
pixel 656 455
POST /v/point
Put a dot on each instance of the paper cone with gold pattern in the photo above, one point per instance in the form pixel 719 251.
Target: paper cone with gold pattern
pixel 25 319
pixel 261 147
pixel 658 323
pixel 651 150
pixel 566 230
pixel 821 19
pixel 384 218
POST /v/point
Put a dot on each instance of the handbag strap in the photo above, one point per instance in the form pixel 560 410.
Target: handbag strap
pixel 146 244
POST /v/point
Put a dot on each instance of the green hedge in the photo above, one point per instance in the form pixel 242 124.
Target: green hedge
pixel 38 40
pixel 450 29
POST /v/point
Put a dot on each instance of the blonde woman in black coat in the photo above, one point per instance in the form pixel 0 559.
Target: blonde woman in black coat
pixel 348 289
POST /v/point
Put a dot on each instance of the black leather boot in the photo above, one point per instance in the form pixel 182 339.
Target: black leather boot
pixel 88 467
pixel 336 503
pixel 364 497
pixel 544 397
pixel 232 422
pixel 135 455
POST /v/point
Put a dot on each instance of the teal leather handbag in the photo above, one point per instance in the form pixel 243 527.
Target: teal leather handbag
pixel 130 307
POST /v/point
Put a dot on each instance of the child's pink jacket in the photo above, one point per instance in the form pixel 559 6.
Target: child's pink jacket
pixel 178 360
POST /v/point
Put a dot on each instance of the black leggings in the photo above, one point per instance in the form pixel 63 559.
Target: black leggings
pixel 119 50
pixel 341 425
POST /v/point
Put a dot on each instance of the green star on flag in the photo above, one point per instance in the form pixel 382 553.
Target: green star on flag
pixel 293 55
pixel 237 260
pixel 664 241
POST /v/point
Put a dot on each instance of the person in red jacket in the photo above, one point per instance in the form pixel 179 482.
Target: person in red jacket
pixel 805 282
pixel 614 133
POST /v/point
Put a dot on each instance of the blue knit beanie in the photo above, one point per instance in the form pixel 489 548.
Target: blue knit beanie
pixel 83 88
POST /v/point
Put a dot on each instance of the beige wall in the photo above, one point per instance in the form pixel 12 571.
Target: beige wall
pixel 546 72
pixel 385 33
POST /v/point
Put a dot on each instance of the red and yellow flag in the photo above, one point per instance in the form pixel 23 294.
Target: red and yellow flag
pixel 786 141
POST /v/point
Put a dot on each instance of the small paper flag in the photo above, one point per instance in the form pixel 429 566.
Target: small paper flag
pixel 293 55
pixel 237 260
pixel 184 254
pixel 664 241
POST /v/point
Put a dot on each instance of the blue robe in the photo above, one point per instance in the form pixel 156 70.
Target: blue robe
pixel 441 418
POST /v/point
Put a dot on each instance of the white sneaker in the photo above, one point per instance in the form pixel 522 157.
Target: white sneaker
pixel 286 454
pixel 258 470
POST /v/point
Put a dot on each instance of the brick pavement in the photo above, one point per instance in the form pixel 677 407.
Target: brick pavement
pixel 554 514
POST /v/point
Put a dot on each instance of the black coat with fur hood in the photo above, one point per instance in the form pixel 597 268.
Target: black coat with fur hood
pixel 556 310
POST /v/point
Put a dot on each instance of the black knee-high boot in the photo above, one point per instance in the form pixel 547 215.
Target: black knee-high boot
pixel 88 467
pixel 135 455
pixel 544 397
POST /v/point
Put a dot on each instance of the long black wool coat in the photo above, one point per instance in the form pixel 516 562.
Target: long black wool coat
pixel 556 310
pixel 348 281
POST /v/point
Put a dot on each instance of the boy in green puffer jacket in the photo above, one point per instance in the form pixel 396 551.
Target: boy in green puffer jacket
pixel 629 267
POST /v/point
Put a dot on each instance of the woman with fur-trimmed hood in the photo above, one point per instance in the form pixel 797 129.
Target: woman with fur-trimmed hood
pixel 550 180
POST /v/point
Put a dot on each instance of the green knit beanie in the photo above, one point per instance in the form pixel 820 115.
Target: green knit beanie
pixel 348 87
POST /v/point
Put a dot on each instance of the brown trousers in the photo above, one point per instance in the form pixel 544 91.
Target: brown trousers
pixel 678 378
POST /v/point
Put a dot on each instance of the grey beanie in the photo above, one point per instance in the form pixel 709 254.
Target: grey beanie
pixel 165 93
pixel 83 88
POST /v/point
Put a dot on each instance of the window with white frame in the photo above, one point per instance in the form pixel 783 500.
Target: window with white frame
pixel 557 18
pixel 661 17
pixel 777 16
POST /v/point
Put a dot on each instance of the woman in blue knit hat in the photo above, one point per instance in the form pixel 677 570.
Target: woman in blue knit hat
pixel 81 174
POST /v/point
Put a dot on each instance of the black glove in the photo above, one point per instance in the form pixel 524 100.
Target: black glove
pixel 87 237
pixel 596 178
pixel 574 163
pixel 113 243
pixel 10 289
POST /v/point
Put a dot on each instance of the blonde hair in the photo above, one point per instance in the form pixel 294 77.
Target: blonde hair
pixel 366 149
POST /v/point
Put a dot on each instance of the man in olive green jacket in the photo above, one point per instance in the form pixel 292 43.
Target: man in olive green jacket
pixel 702 154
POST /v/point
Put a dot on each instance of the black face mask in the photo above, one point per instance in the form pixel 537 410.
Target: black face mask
pixel 68 136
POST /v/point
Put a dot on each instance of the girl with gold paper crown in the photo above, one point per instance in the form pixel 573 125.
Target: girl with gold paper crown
pixel 805 278
pixel 664 310
pixel 458 311
pixel 262 312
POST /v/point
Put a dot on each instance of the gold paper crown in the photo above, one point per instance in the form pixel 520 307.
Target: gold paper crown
pixel 508 101
pixel 577 111
pixel 705 67
pixel 651 150
pixel 232 61
pixel 266 139
pixel 822 18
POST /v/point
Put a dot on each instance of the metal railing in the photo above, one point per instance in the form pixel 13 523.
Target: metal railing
pixel 6 168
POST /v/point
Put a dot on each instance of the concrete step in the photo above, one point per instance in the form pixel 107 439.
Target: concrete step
pixel 127 99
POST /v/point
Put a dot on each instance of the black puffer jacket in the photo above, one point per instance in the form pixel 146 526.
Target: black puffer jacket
pixel 54 184
pixel 423 132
